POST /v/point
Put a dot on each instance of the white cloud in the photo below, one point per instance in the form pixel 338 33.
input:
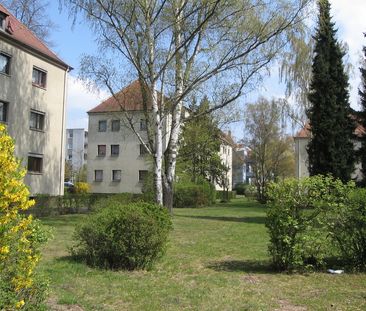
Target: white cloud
pixel 79 101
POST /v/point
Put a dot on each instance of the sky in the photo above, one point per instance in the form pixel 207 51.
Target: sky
pixel 72 41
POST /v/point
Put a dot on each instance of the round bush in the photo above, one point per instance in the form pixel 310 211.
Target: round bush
pixel 130 236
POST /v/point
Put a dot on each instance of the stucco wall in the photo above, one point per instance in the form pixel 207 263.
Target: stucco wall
pixel 226 155
pixel 17 90
pixel 129 160
pixel 302 159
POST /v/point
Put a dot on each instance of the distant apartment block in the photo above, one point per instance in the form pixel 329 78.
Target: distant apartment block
pixel 32 104
pixel 242 165
pixel 117 161
pixel 76 148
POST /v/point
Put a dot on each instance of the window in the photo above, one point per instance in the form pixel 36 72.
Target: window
pixel 98 175
pixel 142 175
pixel 115 125
pixel 2 21
pixel 71 134
pixel 3 112
pixel 143 150
pixel 116 175
pixel 114 150
pixel 35 163
pixel 39 77
pixel 36 120
pixel 4 63
pixel 102 126
pixel 102 150
pixel 143 125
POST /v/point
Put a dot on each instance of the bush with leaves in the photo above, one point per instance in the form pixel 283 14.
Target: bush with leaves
pixel 297 220
pixel 131 236
pixel 20 236
pixel 347 226
pixel 82 187
pixel 189 194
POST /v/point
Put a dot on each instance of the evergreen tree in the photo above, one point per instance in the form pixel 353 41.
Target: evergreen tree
pixel 362 114
pixel 330 148
pixel 200 145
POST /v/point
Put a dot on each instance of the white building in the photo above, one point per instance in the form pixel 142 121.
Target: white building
pixel 302 139
pixel 32 104
pixel 76 148
pixel 117 161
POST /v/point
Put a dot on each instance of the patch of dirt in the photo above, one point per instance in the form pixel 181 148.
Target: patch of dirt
pixel 54 306
pixel 287 306
pixel 251 279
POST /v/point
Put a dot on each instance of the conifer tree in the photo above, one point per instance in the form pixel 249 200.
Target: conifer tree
pixel 330 148
pixel 362 114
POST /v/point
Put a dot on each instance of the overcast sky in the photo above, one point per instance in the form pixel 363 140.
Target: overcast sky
pixel 71 43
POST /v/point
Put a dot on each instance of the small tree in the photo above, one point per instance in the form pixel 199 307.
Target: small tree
pixel 330 149
pixel 271 151
pixel 200 145
pixel 19 236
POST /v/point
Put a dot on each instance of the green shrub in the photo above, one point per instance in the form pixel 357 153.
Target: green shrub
pixel 121 236
pixel 297 216
pixel 189 194
pixel 120 198
pixel 225 196
pixel 347 226
pixel 240 188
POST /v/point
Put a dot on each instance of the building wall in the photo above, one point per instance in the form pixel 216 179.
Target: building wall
pixel 226 155
pixel 76 147
pixel 129 160
pixel 302 159
pixel 17 90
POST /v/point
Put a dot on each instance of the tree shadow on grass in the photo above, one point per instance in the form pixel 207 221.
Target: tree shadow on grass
pixel 250 266
pixel 250 220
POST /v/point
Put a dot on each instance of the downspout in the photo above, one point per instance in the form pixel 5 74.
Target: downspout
pixel 62 157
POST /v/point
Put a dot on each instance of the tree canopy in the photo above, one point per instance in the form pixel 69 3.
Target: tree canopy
pixel 331 149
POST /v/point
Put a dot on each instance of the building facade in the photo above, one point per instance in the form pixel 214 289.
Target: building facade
pixel 32 104
pixel 117 161
pixel 76 148
pixel 302 139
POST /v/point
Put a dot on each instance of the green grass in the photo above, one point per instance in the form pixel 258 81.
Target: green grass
pixel 216 260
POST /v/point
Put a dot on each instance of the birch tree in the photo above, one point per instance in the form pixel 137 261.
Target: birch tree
pixel 181 48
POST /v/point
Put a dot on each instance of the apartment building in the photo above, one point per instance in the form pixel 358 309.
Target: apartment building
pixel 76 148
pixel 117 161
pixel 32 104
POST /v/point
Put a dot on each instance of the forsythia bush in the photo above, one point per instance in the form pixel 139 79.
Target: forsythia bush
pixel 20 236
pixel 82 187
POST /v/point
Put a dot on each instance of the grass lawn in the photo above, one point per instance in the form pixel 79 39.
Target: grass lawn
pixel 216 260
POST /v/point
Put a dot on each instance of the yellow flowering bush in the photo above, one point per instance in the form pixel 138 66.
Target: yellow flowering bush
pixel 20 236
pixel 82 187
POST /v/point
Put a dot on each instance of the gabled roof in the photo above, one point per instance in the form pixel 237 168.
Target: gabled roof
pixel 15 30
pixel 305 132
pixel 128 99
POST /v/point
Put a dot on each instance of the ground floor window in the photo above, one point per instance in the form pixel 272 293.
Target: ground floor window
pixel 98 175
pixel 35 163
pixel 116 175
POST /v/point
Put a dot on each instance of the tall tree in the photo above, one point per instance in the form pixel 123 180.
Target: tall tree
pixel 200 145
pixel 330 149
pixel 362 114
pixel 33 14
pixel 271 151
pixel 181 47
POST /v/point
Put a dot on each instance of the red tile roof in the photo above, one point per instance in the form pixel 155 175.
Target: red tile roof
pixel 15 30
pixel 305 132
pixel 128 99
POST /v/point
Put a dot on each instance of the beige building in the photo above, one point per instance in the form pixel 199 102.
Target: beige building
pixel 302 139
pixel 226 155
pixel 117 161
pixel 32 104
